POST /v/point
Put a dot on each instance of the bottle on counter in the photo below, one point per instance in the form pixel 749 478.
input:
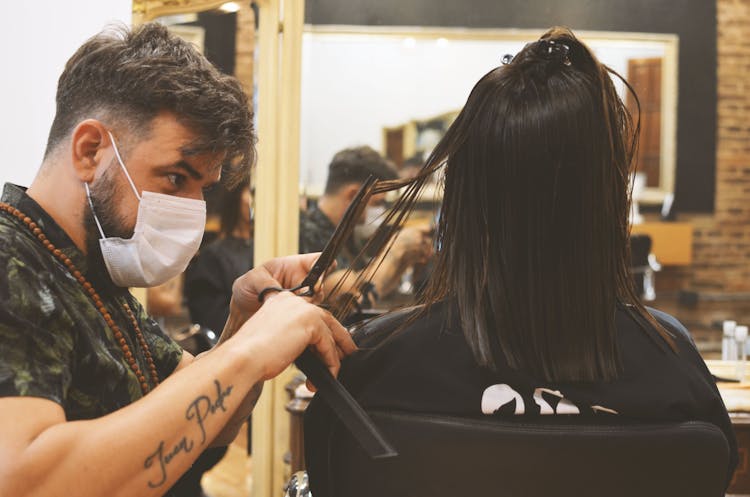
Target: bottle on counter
pixel 728 342
pixel 740 336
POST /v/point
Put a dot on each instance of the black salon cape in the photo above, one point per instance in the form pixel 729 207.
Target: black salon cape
pixel 427 367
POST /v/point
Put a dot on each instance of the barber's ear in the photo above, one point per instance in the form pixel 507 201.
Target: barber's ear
pixel 90 145
pixel 350 191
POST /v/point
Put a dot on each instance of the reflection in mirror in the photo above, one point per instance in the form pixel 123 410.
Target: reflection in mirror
pixel 359 85
pixel 397 90
pixel 226 35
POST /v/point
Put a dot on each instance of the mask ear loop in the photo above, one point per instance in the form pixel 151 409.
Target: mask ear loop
pixel 122 164
pixel 91 204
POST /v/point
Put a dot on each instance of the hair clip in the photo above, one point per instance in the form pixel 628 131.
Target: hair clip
pixel 561 50
pixel 507 59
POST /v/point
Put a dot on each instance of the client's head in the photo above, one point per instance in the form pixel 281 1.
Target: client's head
pixel 533 229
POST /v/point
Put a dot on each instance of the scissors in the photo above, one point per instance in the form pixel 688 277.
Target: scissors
pixel 307 287
pixel 343 405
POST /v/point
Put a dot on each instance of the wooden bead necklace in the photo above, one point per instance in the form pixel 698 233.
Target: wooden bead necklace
pixel 37 231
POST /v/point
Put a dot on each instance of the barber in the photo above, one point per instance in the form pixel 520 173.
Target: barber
pixel 95 399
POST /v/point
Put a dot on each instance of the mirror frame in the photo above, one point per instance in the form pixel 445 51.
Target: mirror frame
pixel 148 10
pixel 276 201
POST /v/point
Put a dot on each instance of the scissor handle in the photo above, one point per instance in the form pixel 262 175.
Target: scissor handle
pixel 295 290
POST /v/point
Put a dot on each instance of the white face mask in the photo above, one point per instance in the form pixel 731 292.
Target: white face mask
pixel 168 232
pixel 373 218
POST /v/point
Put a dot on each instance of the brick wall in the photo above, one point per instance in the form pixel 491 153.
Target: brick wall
pixel 722 241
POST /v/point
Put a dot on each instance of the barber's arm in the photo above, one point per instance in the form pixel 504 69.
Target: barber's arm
pixel 143 448
pixel 284 272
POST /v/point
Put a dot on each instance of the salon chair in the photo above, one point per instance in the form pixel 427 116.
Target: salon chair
pixel 447 457
pixel 196 339
pixel 643 266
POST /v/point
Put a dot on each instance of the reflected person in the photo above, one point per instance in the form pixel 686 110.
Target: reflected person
pixel 348 170
pixel 209 277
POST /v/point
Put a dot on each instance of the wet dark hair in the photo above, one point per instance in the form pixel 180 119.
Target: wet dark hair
pixel 355 165
pixel 533 230
pixel 128 77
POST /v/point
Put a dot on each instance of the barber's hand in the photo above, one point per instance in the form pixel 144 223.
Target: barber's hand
pixel 412 246
pixel 282 272
pixel 287 324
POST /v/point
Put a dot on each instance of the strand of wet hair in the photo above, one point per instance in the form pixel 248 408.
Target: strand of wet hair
pixel 342 300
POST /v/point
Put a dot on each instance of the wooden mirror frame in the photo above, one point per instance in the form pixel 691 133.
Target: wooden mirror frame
pixel 148 10
pixel 276 201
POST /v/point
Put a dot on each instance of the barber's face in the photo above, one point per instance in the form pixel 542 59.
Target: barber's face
pixel 156 163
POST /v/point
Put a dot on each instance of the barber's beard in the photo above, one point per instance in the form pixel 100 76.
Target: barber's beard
pixel 105 193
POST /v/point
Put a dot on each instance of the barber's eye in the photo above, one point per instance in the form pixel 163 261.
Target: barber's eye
pixel 177 180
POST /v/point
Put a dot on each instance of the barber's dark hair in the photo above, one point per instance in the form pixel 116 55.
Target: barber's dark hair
pixel 355 165
pixel 533 231
pixel 127 77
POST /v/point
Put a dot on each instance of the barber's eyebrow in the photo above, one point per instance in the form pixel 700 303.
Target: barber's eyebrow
pixel 187 168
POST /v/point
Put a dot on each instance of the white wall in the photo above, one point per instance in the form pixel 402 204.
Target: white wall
pixel 37 38
pixel 353 85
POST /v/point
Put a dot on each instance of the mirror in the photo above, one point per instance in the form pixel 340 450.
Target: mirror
pixel 226 35
pixel 391 79
pixel 229 34
pixel 397 89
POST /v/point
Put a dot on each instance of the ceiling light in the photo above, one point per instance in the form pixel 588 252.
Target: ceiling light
pixel 230 7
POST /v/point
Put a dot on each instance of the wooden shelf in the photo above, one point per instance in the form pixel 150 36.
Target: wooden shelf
pixel 672 243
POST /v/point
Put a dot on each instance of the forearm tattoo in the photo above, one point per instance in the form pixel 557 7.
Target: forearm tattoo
pixel 200 409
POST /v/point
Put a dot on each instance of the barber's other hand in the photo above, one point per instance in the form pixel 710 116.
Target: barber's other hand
pixel 287 324
pixel 412 246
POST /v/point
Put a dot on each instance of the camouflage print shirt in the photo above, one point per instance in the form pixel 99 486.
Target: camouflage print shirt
pixel 54 343
pixel 315 229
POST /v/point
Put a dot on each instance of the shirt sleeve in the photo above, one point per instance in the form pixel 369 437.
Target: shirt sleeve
pixel 311 237
pixel 36 336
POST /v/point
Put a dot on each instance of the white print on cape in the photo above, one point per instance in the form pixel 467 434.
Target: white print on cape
pixel 603 409
pixel 564 406
pixel 497 397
